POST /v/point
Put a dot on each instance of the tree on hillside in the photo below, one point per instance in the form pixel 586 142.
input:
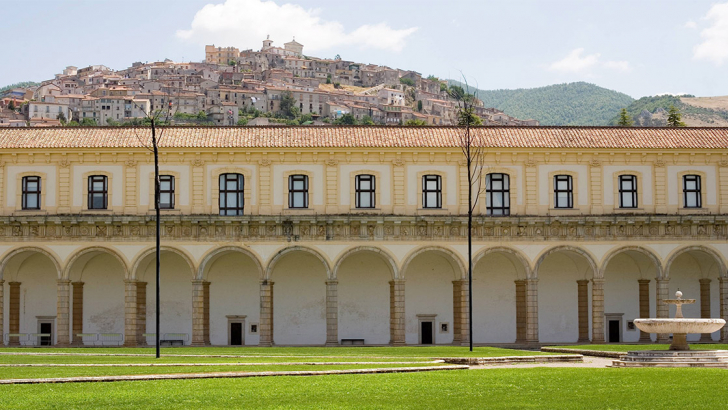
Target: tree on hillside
pixel 62 118
pixel 407 81
pixel 456 92
pixel 674 118
pixel 624 119
pixel 11 106
pixel 415 123
pixel 367 120
pixel 419 105
pixel 346 119
pixel 288 105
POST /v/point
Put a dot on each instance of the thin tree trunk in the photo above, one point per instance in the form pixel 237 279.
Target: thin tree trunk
pixel 158 238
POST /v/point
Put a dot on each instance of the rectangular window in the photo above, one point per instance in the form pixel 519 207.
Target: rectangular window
pixel 498 194
pixel 431 191
pixel 298 191
pixel 166 192
pixel 31 192
pixel 365 190
pixel 98 192
pixel 692 191
pixel 627 191
pixel 563 191
pixel 231 194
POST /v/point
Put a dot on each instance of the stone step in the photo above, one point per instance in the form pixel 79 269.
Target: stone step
pixel 619 363
pixel 720 359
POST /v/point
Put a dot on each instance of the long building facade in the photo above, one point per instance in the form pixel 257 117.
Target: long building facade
pixel 331 235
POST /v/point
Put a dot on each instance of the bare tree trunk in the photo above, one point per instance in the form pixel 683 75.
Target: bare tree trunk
pixel 158 237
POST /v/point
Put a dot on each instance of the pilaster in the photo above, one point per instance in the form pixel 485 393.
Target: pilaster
pixel 532 310
pixel 662 308
pixel 130 189
pixel 521 311
pixel 456 312
pixel 597 310
pixel 266 314
pixel 198 313
pixel 582 287
pixel 398 188
pixel 64 188
pixel 396 313
pixel 141 310
pixel 531 189
pixel 265 187
pixel 705 306
pixel 660 188
pixel 464 313
pixel 596 186
pixel 644 296
pixel 723 189
pixel 332 313
pixel 198 186
pixel 77 320
pixel 332 191
pixel 131 315
pixel 14 313
pixel 63 308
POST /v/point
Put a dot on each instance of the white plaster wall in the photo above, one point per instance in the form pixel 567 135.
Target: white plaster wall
pixel 116 184
pixel 383 183
pixel 428 290
pixel 558 303
pixel 494 299
pixel 621 290
pixel 48 186
pixel 316 183
pixel 234 290
pixel 449 183
pixel 546 185
pixel 685 273
pixel 182 184
pixel 103 295
pixel 644 183
pixel 250 183
pixel 363 292
pixel 175 295
pixel 38 288
pixel 299 300
pixel 675 188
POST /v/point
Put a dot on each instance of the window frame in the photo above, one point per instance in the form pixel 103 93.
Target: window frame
pixel 504 191
pixel 224 209
pixel 292 192
pixel 359 192
pixel 634 191
pixel 170 191
pixel 569 191
pixel 24 192
pixel 697 192
pixel 437 191
pixel 92 192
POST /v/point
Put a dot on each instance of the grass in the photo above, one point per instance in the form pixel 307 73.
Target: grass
pixel 563 388
pixel 18 359
pixel 626 348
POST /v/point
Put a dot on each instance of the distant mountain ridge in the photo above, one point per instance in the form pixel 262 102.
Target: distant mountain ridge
pixel 577 103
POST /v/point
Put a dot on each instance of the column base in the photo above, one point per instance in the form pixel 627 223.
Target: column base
pixel 62 345
pixel 198 344
pixel 583 340
pixel 265 344
pixel 398 343
pixel 465 343
pixel 331 344
pixel 598 341
pixel 131 343
pixel 679 342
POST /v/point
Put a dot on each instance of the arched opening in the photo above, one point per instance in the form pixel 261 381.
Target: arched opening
pixel 363 294
pixel 176 275
pixel 695 272
pixel 97 294
pixel 234 276
pixel 564 295
pixel 31 285
pixel 430 296
pixel 499 286
pixel 299 298
pixel 629 293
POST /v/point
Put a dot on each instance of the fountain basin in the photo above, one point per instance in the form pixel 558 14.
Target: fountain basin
pixel 679 325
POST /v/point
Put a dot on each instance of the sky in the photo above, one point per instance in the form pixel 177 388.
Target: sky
pixel 638 47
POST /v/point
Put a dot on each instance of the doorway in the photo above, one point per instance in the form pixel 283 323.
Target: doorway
pixel 46 329
pixel 614 327
pixel 614 331
pixel 426 333
pixel 236 330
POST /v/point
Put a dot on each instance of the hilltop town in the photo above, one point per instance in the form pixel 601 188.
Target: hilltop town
pixel 271 86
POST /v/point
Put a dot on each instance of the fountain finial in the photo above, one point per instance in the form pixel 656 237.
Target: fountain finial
pixel 678 294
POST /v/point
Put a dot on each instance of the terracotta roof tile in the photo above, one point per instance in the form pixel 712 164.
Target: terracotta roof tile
pixel 374 136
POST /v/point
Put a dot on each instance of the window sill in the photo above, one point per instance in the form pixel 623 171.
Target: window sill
pixel 30 212
pixel 628 210
pixel 564 209
pixel 96 212
pixel 355 210
pixel 165 211
pixel 689 211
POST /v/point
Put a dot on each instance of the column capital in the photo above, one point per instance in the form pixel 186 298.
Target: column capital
pixel 598 281
pixel 396 281
pixel 131 281
pixel 704 280
pixel 582 281
pixel 532 280
pixel 266 282
pixel 12 283
pixel 63 281
pixel 644 281
pixel 662 280
pixel 199 281
pixel 332 282
pixel 79 283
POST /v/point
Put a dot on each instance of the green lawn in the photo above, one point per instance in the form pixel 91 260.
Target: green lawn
pixel 627 348
pixel 562 388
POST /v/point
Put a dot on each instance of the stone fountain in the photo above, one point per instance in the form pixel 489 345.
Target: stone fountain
pixel 679 354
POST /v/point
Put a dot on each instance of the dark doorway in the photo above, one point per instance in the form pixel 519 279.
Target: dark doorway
pixel 236 334
pixel 46 328
pixel 426 332
pixel 614 331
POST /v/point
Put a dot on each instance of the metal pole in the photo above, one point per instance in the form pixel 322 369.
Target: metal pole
pixel 470 241
pixel 156 210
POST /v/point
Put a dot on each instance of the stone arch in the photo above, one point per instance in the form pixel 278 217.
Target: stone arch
pixel 567 248
pixel 280 254
pixel 697 248
pixel 54 259
pixel 634 248
pixel 212 255
pixel 510 251
pixel 150 251
pixel 102 249
pixel 386 256
pixel 455 261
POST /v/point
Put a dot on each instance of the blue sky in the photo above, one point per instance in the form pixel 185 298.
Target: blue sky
pixel 636 47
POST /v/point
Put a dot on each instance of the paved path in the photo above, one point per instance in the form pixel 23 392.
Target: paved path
pixel 589 362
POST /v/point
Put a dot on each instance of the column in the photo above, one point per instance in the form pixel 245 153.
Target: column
pixel 597 310
pixel 464 313
pixel 705 306
pixel 131 329
pixel 521 311
pixel 644 293
pixel 266 314
pixel 198 312
pixel 456 312
pixel 63 308
pixel 396 312
pixel 77 320
pixel 141 311
pixel 332 313
pixel 662 308
pixel 723 283
pixel 2 312
pixel 206 314
pixel 14 313
pixel 583 311
pixel 532 310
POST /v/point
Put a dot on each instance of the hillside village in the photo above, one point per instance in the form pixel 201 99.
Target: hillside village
pixel 272 86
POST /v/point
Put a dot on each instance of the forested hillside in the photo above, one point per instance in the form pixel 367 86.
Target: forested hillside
pixel 652 112
pixel 18 85
pixel 560 104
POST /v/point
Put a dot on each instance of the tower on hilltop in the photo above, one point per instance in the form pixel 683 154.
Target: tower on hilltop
pixel 267 43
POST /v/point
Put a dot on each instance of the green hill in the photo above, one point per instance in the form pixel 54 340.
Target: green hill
pixel 18 85
pixel 560 104
pixel 652 111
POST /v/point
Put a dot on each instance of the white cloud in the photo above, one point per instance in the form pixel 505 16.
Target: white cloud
pixel 574 62
pixel 690 24
pixel 618 65
pixel 714 47
pixel 245 23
